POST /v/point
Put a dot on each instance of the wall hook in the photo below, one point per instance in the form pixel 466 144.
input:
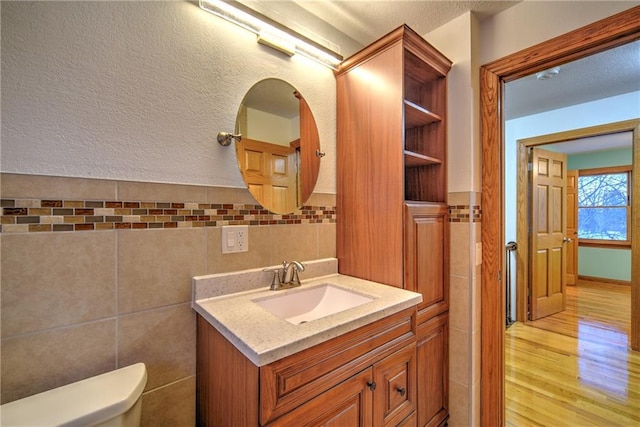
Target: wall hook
pixel 320 153
pixel 225 138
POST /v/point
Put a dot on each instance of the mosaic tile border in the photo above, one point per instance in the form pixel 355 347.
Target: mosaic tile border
pixel 465 213
pixel 35 215
pixel 48 215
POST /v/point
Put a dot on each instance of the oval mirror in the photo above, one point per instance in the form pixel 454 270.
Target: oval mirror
pixel 277 154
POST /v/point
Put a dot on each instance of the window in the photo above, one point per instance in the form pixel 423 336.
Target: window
pixel 604 206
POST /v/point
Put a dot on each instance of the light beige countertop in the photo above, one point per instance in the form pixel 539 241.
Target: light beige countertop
pixel 264 338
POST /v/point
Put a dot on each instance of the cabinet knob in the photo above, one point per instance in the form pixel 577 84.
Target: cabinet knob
pixel 402 391
pixel 372 385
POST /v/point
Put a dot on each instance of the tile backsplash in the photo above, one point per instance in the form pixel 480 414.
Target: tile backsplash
pixel 38 215
pixel 96 275
pixel 84 291
pixel 41 215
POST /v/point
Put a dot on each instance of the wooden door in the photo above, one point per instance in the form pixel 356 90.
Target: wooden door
pixel 349 404
pixel 572 227
pixel 270 172
pixel 548 230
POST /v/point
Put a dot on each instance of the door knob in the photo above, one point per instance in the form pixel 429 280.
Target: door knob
pixel 372 385
pixel 566 240
pixel 401 390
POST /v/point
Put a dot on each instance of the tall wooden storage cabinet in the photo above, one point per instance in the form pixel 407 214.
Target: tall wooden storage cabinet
pixel 392 222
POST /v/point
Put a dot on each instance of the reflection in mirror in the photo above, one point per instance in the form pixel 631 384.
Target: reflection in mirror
pixel 277 153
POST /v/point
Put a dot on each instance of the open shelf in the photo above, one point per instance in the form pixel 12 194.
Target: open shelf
pixel 415 115
pixel 412 159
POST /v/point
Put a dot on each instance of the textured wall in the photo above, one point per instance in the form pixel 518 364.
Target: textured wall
pixel 128 92
pixel 138 91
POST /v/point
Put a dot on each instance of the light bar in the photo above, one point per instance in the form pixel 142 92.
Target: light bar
pixel 271 33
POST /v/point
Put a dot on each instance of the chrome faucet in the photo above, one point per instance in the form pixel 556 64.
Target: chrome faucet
pixel 290 272
pixel 288 277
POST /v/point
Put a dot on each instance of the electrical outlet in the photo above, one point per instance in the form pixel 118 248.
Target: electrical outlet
pixel 235 238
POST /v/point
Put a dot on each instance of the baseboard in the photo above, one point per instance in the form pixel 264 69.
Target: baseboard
pixel 605 280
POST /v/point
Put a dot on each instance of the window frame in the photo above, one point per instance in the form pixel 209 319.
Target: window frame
pixel 604 243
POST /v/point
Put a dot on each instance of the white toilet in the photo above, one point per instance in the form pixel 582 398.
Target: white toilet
pixel 111 399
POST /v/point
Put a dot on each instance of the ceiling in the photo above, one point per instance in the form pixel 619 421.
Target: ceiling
pixel 613 72
pixel 593 143
pixel 348 25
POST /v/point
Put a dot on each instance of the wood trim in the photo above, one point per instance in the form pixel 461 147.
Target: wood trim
pixel 492 292
pixel 601 35
pixel 609 169
pixel 522 234
pixel 615 127
pixel 610 244
pixel 635 245
pixel 413 42
pixel 604 280
pixel 597 37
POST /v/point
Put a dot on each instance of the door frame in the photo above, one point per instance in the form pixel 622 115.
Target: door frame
pixel 607 33
pixel 522 203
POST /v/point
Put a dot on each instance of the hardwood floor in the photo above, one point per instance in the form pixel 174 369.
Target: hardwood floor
pixel 575 368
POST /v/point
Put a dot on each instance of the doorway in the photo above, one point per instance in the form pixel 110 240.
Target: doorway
pixel 597 37
pixel 568 142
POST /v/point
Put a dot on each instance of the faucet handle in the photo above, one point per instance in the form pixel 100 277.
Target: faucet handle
pixel 275 282
pixel 294 278
pixel 296 266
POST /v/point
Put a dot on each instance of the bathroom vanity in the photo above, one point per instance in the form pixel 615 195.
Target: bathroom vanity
pixel 356 367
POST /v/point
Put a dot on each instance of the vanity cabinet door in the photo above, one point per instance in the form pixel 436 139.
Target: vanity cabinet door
pixel 395 391
pixel 348 404
pixel 433 368
pixel 427 256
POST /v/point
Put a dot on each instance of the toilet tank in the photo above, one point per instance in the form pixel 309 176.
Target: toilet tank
pixel 111 399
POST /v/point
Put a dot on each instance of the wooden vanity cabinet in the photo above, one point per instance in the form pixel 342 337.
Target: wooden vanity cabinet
pixel 382 395
pixel 392 216
pixel 366 377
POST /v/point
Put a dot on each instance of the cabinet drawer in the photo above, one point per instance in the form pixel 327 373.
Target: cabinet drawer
pixel 347 404
pixel 289 382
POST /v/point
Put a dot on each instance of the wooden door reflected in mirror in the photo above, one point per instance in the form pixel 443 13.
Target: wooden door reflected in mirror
pixel 277 155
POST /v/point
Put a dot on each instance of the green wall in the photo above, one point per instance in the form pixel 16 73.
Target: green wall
pixel 600 262
pixel 600 159
pixel 607 263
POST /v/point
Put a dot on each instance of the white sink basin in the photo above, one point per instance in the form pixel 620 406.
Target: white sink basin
pixel 304 305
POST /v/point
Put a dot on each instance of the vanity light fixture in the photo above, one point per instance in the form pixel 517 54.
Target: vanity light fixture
pixel 270 33
pixel 287 47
